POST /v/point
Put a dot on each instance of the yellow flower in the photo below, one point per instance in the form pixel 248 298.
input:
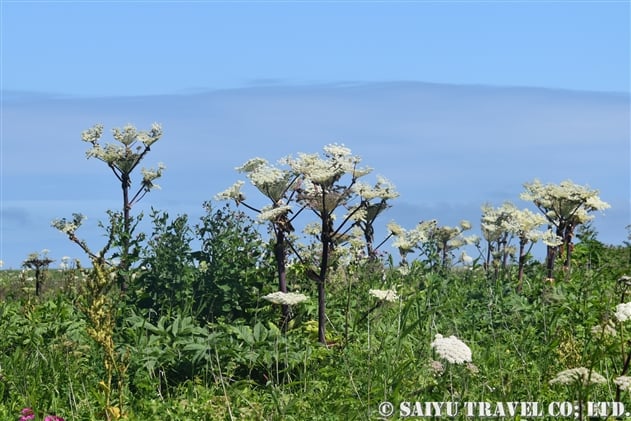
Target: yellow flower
pixel 103 386
pixel 114 412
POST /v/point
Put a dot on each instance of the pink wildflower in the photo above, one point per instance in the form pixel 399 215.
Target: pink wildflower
pixel 27 414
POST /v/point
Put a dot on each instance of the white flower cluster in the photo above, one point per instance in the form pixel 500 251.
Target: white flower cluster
pixel 93 134
pixel 607 329
pixel 625 280
pixel 148 175
pixel 437 367
pixel 271 181
pixel 406 241
pixel 446 237
pixel 312 228
pixel 69 227
pixel 150 137
pixel 120 155
pixel 126 136
pixel 452 349
pixel 285 298
pixel 523 224
pixel 316 170
pixel 550 238
pixel 623 312
pixel 580 375
pixel 384 294
pixel 383 189
pixel 623 382
pixel 395 229
pixel 337 161
pixel 112 154
pixel 336 151
pixel 564 201
pixel 65 263
pixel 232 193
pixel 271 213
pixel 452 236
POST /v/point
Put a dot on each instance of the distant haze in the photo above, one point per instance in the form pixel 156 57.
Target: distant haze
pixel 448 148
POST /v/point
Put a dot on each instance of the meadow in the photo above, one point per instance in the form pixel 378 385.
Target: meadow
pixel 198 342
pixel 238 317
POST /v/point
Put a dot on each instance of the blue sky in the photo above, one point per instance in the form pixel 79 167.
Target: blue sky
pixel 459 103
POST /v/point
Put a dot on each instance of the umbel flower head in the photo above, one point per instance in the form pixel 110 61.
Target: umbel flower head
pixel 623 382
pixel 565 201
pixel 623 312
pixel 285 298
pixel 232 193
pixel 451 349
pixel 606 328
pixel 384 294
pixel 273 182
pixel 69 227
pixel 124 156
pixel 273 213
pixel 148 175
pixel 625 280
pixel 579 375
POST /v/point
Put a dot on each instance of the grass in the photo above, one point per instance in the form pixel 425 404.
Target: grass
pixel 180 369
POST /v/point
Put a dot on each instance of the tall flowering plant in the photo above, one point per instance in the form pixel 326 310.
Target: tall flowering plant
pixel 565 206
pixel 503 224
pixel 276 185
pixel 437 243
pixel 322 184
pixel 328 183
pixel 123 157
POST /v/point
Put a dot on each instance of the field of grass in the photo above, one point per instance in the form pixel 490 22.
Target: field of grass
pixel 195 341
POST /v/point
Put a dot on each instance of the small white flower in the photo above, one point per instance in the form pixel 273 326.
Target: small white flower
pixel 623 382
pixel 623 312
pixel 126 136
pixel 93 134
pixel 437 367
pixel 148 175
pixel 578 375
pixel 285 298
pixel 270 213
pixel 452 349
pixel 395 229
pixel 386 295
pixel 466 259
pixel 403 270
pixel 625 280
pixel 232 193
pixel 336 150
pixel 607 329
pixel 549 238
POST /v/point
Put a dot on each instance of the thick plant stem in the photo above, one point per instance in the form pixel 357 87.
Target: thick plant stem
pixel 522 261
pixel 281 268
pixel 327 224
pixel 124 263
pixel 321 312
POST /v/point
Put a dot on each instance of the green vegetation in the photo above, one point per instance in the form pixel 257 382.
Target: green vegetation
pixel 187 322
